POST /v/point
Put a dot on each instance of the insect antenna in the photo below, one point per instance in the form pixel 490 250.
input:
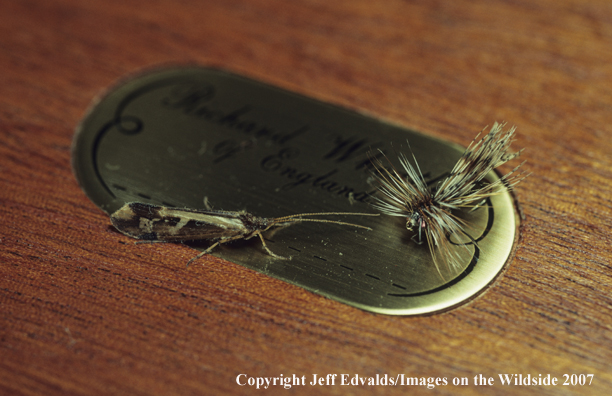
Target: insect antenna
pixel 296 218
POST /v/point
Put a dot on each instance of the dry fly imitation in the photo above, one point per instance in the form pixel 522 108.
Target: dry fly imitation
pixel 430 211
pixel 153 223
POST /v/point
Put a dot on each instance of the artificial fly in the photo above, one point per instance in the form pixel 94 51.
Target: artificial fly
pixel 430 211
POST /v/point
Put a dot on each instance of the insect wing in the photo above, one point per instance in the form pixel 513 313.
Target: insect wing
pixel 159 223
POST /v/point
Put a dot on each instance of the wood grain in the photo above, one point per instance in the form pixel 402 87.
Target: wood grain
pixel 84 312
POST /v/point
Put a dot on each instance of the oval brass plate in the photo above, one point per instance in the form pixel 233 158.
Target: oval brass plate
pixel 180 136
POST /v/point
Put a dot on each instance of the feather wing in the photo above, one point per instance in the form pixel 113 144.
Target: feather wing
pixel 465 186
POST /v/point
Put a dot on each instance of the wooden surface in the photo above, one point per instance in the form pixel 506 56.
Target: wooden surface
pixel 84 312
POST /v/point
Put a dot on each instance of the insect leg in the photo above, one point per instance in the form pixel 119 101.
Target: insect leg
pixel 207 204
pixel 263 242
pixel 214 245
pixel 210 248
pixel 271 231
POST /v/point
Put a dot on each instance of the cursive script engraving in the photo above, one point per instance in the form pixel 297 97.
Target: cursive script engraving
pixel 195 100
pixel 275 163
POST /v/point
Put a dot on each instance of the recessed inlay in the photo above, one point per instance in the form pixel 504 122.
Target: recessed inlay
pixel 182 137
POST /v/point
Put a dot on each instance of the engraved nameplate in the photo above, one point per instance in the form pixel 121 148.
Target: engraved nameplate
pixel 181 136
